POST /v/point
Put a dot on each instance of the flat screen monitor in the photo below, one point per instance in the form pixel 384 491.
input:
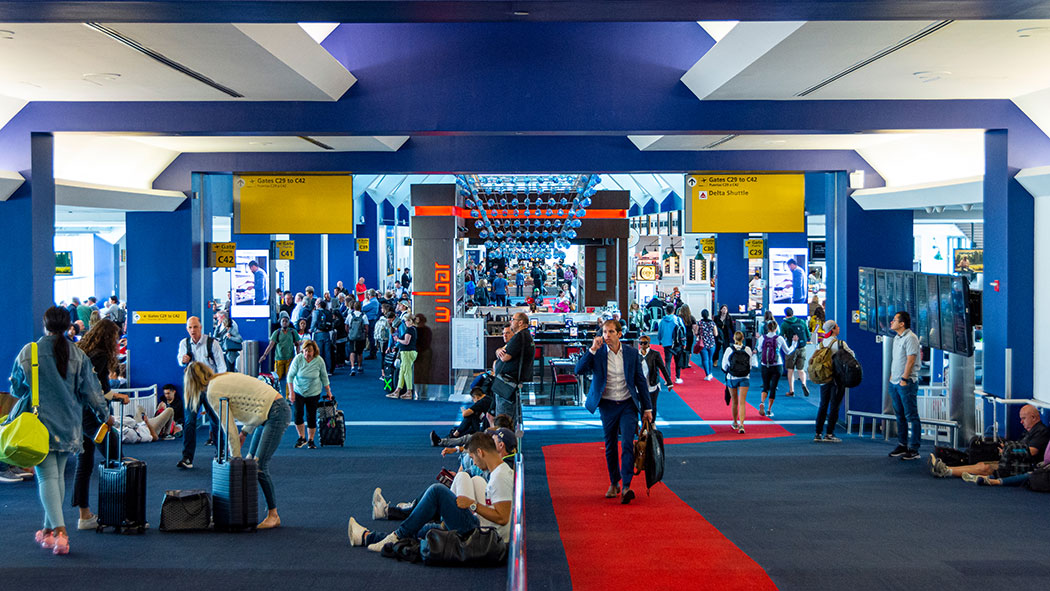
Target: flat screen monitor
pixel 908 293
pixel 250 287
pixel 921 318
pixel 865 297
pixel 893 278
pixel 944 288
pixel 788 284
pixel 63 262
pixel 933 307
pixel 885 300
pixel 960 316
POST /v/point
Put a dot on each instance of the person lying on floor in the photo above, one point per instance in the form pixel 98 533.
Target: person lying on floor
pixel 506 444
pixel 455 445
pixel 470 503
pixel 474 418
pixel 1035 440
pixel 145 430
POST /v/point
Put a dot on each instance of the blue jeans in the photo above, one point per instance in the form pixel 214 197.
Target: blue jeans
pixel 324 343
pixel 705 359
pixel 1018 480
pixel 189 427
pixel 619 420
pixel 267 443
pixel 51 485
pixel 906 407
pixel 438 503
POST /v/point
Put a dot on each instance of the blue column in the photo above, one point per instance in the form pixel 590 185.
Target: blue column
pixel 160 263
pixel 368 262
pixel 305 269
pixel 834 188
pixel 105 272
pixel 341 257
pixel 730 272
pixel 1009 227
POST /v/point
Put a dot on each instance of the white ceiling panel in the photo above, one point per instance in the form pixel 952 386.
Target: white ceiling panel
pixel 961 60
pixel 109 160
pixel 72 62
pixel 284 143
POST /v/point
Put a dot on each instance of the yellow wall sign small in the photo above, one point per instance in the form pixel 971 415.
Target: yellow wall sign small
pixel 223 254
pixel 285 250
pixel 755 247
pixel 707 245
pixel 362 245
pixel 158 317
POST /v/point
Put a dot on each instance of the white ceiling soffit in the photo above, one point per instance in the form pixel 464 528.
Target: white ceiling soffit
pixel 9 183
pixel 319 31
pixel 9 107
pixel 899 60
pixel 718 29
pixel 759 142
pixel 1035 180
pixel 109 160
pixel 734 52
pixel 108 197
pixel 1036 105
pixel 284 143
pixel 926 157
pixel 75 62
pixel 965 192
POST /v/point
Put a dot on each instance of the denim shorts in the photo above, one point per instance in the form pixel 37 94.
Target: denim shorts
pixel 733 382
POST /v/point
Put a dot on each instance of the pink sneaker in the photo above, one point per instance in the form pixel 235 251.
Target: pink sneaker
pixel 45 539
pixel 61 544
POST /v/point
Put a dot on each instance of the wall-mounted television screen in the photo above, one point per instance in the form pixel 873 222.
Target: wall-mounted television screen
pixel 63 262
pixel 933 307
pixel 960 316
pixel 884 298
pixel 908 293
pixel 944 288
pixel 866 299
pixel 921 319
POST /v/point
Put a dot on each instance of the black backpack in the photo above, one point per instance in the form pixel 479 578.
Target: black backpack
pixel 739 363
pixel 848 371
pixel 324 321
pixel 678 339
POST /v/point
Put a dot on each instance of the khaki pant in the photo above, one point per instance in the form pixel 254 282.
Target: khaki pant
pixel 408 359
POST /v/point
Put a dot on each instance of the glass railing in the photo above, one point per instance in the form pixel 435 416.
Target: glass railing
pixel 516 575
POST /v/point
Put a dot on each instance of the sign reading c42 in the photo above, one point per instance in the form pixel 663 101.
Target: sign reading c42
pixel 755 247
pixel 285 250
pixel 223 254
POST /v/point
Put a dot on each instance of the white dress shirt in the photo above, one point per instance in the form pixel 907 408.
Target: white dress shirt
pixel 616 380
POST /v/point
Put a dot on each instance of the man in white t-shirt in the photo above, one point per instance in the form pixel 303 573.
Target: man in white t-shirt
pixel 469 504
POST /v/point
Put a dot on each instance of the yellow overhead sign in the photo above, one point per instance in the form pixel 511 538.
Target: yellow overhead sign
pixel 223 253
pixel 293 204
pixel 362 245
pixel 745 202
pixel 755 247
pixel 158 318
pixel 285 250
pixel 707 245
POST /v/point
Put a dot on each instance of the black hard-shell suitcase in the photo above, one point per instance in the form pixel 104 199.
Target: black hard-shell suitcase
pixel 330 423
pixel 234 484
pixel 121 490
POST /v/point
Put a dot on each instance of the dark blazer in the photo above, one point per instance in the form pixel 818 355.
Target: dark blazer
pixel 598 365
pixel 656 364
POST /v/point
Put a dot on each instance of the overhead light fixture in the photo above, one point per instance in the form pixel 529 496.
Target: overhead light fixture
pixel 259 143
pixel 931 75
pixel 98 78
pixel 939 209
pixel 967 206
pixel 521 13
pixel 1032 31
pixel 929 209
pixel 776 141
pixel 6 35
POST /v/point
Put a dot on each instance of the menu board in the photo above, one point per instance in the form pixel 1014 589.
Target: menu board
pixel 884 299
pixel 944 287
pixel 960 318
pixel 933 311
pixel 921 319
pixel 866 299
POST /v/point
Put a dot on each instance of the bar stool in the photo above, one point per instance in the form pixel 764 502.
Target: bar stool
pixel 559 379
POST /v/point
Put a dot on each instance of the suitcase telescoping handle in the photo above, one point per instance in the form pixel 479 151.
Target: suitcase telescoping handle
pixel 223 444
pixel 120 441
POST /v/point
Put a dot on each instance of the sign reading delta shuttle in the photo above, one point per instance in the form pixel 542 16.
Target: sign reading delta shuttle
pixel 745 202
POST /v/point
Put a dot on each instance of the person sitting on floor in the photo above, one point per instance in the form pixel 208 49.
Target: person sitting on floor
pixel 459 508
pixel 1015 480
pixel 474 418
pixel 506 444
pixel 1035 439
pixel 455 445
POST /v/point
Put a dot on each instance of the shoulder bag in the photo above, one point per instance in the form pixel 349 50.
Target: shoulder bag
pixel 24 439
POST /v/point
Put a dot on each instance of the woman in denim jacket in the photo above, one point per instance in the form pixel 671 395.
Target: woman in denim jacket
pixel 67 384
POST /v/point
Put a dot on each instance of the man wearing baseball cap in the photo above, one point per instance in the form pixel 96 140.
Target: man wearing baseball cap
pixel 832 392
pixel 506 444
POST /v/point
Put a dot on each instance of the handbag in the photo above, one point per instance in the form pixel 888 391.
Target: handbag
pixel 640 446
pixel 24 439
pixel 504 389
pixel 185 510
pixel 480 547
pixel 1039 479
pixel 654 457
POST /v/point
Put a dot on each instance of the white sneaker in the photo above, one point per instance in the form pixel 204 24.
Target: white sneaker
pixel 378 546
pixel 379 504
pixel 89 523
pixel 356 532
pixel 678 381
pixel 708 377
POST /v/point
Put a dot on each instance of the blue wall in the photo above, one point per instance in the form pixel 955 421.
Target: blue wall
pixel 341 259
pixel 368 262
pixel 159 266
pixel 105 276
pixel 306 269
pixel 730 272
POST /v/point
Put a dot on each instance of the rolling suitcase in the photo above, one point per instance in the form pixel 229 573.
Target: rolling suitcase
pixel 234 484
pixel 330 423
pixel 121 490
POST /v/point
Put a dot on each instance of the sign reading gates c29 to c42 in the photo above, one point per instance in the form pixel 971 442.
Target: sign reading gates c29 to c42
pixel 745 202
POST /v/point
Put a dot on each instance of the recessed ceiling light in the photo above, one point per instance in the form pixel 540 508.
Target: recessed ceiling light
pixel 776 141
pixel 1023 33
pixel 6 35
pixel 931 75
pixel 259 143
pixel 98 78
pixel 521 13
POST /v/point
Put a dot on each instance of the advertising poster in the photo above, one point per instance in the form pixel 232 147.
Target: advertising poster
pixel 788 280
pixel 968 262
pixel 251 285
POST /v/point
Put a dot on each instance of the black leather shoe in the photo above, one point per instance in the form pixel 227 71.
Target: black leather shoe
pixel 627 496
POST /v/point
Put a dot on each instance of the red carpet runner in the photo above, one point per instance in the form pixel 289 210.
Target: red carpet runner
pixel 658 541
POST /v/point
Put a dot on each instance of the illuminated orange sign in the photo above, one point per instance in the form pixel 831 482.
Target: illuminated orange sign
pixel 442 293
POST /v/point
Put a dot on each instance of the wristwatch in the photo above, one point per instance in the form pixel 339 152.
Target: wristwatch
pixel 473 506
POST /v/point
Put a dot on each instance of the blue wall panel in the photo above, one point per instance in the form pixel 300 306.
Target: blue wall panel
pixel 105 276
pixel 306 268
pixel 160 261
pixel 341 257
pixel 730 271
pixel 368 262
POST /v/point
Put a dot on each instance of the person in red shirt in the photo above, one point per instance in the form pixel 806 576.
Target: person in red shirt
pixel 360 289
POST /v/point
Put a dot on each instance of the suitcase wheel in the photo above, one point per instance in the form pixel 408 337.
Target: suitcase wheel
pixel 98 529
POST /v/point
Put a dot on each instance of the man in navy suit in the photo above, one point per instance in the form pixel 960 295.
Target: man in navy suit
pixel 618 391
